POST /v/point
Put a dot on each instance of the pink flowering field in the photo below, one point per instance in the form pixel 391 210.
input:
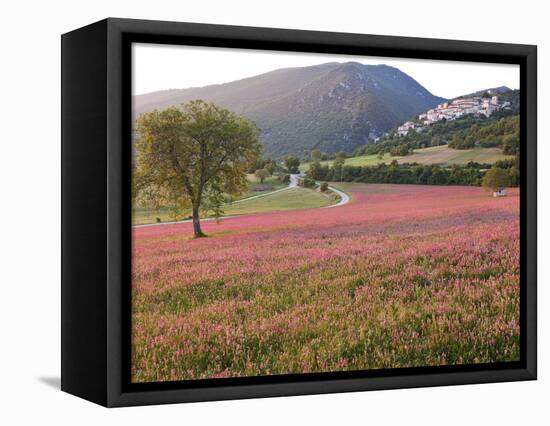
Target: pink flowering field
pixel 402 276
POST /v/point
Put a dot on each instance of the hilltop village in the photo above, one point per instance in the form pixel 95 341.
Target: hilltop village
pixel 477 105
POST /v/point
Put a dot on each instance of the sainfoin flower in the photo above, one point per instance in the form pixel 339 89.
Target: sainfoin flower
pixel 402 276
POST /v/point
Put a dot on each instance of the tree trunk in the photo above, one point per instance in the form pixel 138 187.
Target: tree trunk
pixel 197 223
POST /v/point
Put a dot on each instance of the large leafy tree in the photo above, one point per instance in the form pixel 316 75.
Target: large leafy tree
pixel 193 155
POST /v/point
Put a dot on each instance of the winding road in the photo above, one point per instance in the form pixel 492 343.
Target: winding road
pixel 292 184
pixel 294 180
pixel 344 198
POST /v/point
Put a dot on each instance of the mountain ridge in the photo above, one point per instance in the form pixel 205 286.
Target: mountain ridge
pixel 332 106
pixel 492 91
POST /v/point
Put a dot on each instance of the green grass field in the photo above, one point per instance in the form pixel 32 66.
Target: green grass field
pixel 365 160
pixel 433 155
pixel 292 199
pixel 142 216
pixel 445 155
pixel 273 181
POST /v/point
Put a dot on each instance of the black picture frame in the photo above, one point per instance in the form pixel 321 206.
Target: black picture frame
pixel 96 232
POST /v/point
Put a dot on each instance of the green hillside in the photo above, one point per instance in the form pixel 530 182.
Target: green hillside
pixel 479 131
pixel 433 155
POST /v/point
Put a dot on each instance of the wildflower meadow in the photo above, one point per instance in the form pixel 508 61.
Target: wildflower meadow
pixel 401 276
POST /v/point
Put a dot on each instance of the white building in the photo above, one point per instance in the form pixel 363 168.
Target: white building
pixel 462 106
pixel 457 108
pixel 405 127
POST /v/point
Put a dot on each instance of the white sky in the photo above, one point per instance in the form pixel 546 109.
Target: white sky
pixel 159 67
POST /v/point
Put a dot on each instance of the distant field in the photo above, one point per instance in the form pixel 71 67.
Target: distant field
pixel 292 199
pixel 433 155
pixel 273 181
pixel 444 155
pixel 365 160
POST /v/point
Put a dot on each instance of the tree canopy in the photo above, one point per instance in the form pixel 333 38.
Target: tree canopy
pixel 399 150
pixel 193 155
pixel 419 174
pixel 316 155
pixel 292 163
pixel 262 174
pixel 495 179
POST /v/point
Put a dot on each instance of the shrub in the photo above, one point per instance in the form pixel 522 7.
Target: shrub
pixel 400 150
pixel 495 179
pixel 307 182
pixel 324 187
pixel 284 178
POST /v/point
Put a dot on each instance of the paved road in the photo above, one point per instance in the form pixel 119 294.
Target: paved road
pixel 294 179
pixel 292 184
pixel 344 198
pixel 261 195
